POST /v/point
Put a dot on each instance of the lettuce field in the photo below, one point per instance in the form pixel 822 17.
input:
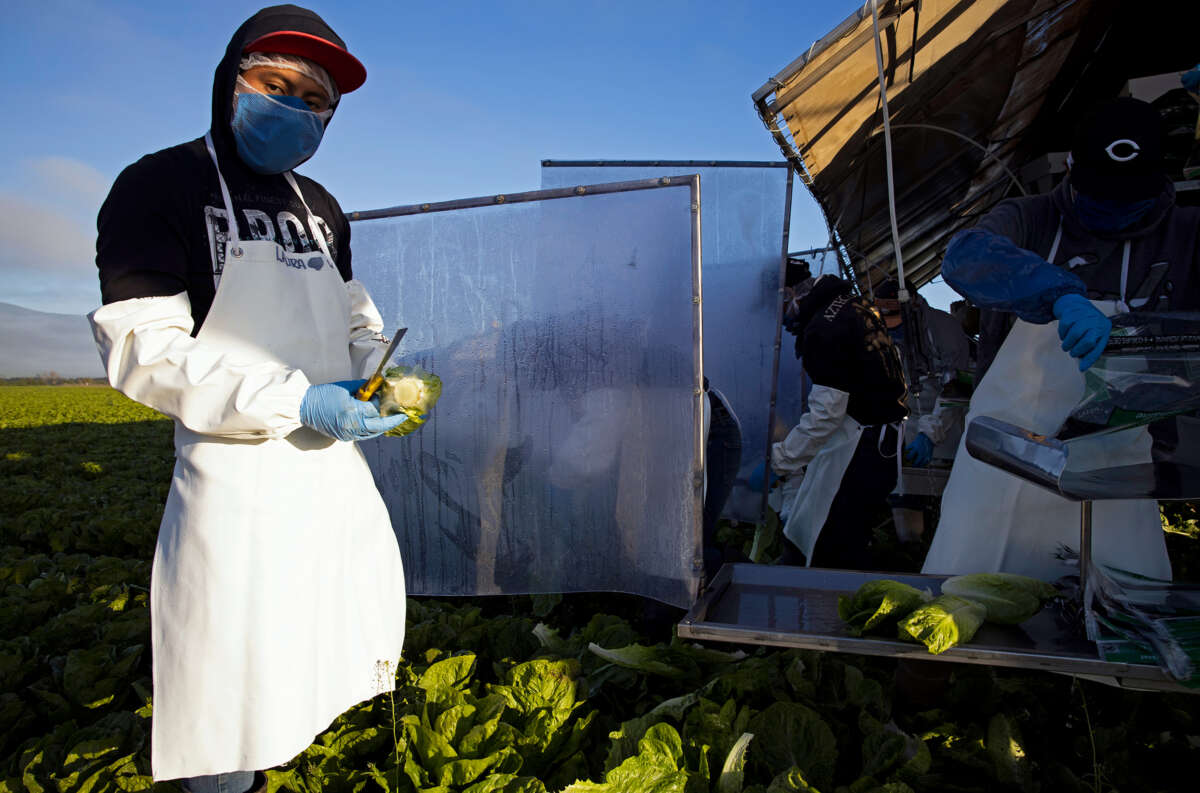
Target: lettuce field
pixel 507 695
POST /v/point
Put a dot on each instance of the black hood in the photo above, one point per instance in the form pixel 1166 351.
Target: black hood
pixel 268 20
pixel 822 294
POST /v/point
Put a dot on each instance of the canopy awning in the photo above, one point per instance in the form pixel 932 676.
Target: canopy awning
pixel 977 90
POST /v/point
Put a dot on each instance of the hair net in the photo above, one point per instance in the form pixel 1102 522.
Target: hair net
pixel 308 68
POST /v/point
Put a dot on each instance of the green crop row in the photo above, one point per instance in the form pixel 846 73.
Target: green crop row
pixel 503 695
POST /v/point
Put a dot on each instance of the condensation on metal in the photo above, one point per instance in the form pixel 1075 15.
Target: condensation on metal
pixel 743 215
pixel 562 454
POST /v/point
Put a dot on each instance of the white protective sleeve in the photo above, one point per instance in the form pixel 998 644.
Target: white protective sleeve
pixel 366 331
pixel 938 423
pixel 826 409
pixel 150 356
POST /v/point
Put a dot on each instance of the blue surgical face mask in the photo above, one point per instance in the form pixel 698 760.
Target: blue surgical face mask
pixel 275 133
pixel 1101 215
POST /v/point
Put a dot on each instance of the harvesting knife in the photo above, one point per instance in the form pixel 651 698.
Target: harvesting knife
pixel 369 388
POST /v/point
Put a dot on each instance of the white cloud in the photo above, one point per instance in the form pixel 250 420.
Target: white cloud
pixel 70 180
pixel 48 235
pixel 38 238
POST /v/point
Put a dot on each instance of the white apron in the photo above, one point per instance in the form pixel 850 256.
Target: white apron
pixel 277 593
pixel 822 478
pixel 992 521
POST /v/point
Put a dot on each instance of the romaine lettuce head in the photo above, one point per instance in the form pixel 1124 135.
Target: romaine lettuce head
pixel 878 603
pixel 1009 598
pixel 409 390
pixel 943 622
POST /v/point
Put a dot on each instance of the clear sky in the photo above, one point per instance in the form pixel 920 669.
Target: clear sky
pixel 461 99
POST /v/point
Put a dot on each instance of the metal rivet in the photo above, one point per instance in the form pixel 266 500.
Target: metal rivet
pixel 696 299
pixel 424 207
pixel 698 391
pixel 354 215
pixel 580 190
pixel 665 180
pixel 237 252
pixel 500 199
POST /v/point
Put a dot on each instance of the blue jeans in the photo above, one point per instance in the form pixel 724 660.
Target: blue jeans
pixel 233 782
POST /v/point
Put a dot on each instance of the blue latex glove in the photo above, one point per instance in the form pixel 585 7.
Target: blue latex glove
pixel 1191 79
pixel 1082 328
pixel 758 478
pixel 920 451
pixel 332 410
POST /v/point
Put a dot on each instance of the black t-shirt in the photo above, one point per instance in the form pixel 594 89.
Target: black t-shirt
pixel 846 346
pixel 162 228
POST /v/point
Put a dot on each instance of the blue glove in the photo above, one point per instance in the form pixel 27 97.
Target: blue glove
pixel 920 451
pixel 1082 328
pixel 332 410
pixel 1191 79
pixel 758 478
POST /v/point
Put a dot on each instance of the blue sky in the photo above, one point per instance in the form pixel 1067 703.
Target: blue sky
pixel 462 99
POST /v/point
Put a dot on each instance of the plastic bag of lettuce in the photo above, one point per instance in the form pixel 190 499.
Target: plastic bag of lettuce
pixel 966 602
pixel 409 390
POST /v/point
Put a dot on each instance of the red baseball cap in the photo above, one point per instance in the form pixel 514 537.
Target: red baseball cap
pixel 346 70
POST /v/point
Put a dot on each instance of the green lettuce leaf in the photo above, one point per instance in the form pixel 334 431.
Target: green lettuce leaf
pixel 1009 598
pixel 878 603
pixel 790 734
pixel 655 769
pixel 733 772
pixel 943 622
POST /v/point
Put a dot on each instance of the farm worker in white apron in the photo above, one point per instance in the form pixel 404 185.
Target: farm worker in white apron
pixel 849 437
pixel 1112 241
pixel 277 593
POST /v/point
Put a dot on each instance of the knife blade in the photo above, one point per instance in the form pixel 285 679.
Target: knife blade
pixel 369 388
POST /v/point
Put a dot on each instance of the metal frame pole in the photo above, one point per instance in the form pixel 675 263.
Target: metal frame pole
pixel 772 404
pixel 1085 543
pixel 698 403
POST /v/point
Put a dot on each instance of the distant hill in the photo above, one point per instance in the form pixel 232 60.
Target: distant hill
pixel 37 342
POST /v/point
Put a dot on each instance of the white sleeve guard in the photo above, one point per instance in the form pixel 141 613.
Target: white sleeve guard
pixel 826 410
pixel 367 343
pixel 150 356
pixel 937 425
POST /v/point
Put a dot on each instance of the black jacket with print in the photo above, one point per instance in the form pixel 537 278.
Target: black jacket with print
pixel 845 345
pixel 162 228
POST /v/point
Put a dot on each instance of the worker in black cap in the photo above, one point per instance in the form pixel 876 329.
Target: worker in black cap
pixel 1109 239
pixel 230 306
pixel 1097 236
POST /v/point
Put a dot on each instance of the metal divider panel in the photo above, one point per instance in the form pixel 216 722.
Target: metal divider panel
pixel 562 454
pixel 742 222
